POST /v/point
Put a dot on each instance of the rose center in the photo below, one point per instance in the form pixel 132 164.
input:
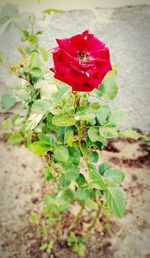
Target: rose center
pixel 84 57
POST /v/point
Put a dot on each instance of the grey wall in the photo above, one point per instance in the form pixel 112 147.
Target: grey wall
pixel 126 31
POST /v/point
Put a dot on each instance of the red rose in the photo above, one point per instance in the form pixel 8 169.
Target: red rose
pixel 81 61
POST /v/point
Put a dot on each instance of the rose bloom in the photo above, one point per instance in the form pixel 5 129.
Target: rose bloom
pixel 81 61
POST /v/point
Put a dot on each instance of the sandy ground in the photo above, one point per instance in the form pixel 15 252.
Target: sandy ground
pixel 21 191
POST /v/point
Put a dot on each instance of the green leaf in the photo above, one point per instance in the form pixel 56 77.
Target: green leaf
pixel 72 238
pixel 115 200
pixel 77 244
pixel 7 101
pixel 15 139
pixel 90 204
pixel 36 72
pixel 39 148
pixel 35 60
pixel 67 195
pixel 63 120
pixel 93 156
pixel 32 39
pixel 108 89
pixel 33 121
pixel 61 154
pixel 79 249
pixel 108 132
pixel 102 168
pixel 93 134
pixel 111 89
pixel 96 180
pixel 80 180
pixel 117 118
pixel 98 183
pixel 102 114
pixel 48 173
pixel 44 53
pixel 39 109
pixel 69 137
pixel 47 247
pixel 72 172
pixel 85 115
pixel 113 176
pixel 74 155
pixel 129 133
pixel 83 193
pixel 92 168
pixel 48 139
pixel 63 181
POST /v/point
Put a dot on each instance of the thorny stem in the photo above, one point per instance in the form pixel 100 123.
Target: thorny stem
pixel 76 220
pixel 95 218
pixel 29 81
pixel 76 99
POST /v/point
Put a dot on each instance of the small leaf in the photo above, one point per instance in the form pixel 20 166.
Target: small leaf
pixel 79 249
pixel 69 137
pixel 98 183
pixel 93 156
pixel 36 72
pixel 38 110
pixel 102 114
pixel 72 173
pixel 15 139
pixel 115 200
pixel 129 133
pixel 67 195
pixel 90 204
pixel 63 120
pixel 48 173
pixel 33 121
pixel 117 118
pixel 35 60
pixel 85 115
pixel 108 89
pixel 63 181
pixel 48 139
pixel 39 148
pixel 96 180
pixel 108 132
pixel 74 155
pixel 61 154
pixel 80 180
pixel 44 53
pixel 83 193
pixel 102 168
pixel 7 101
pixel 113 176
pixel 93 134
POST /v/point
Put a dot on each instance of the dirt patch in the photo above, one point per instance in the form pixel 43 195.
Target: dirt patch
pixel 137 156
pixel 22 188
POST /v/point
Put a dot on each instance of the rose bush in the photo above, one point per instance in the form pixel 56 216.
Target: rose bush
pixel 66 129
pixel 81 61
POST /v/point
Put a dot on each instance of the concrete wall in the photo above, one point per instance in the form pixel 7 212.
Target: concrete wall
pixel 37 5
pixel 126 31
